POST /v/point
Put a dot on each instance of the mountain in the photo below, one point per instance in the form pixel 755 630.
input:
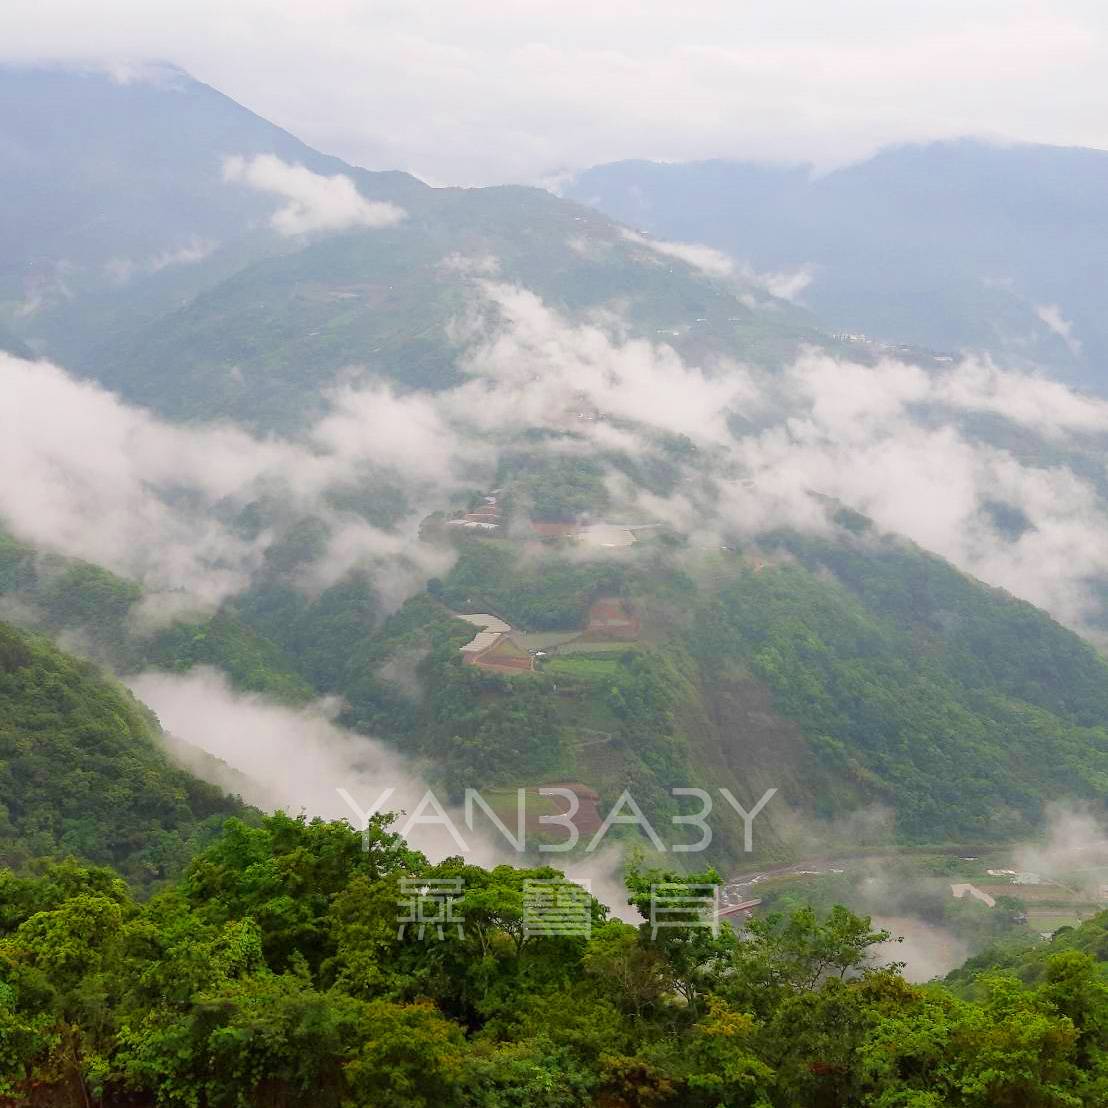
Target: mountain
pixel 84 770
pixel 115 201
pixel 843 666
pixel 131 259
pixel 950 245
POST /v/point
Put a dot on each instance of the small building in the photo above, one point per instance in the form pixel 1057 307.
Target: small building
pixel 472 525
pixel 493 647
pixel 503 653
pixel 606 535
pixel 610 619
pixel 482 641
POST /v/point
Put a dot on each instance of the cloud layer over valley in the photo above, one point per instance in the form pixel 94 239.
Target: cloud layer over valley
pixel 936 454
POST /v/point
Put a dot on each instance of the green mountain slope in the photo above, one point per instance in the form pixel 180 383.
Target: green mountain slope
pixel 96 610
pixel 82 770
pixel 961 707
pixel 116 210
pixel 259 345
pixel 852 672
pixel 1032 965
pixel 845 673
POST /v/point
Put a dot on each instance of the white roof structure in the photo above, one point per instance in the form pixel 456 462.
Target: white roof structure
pixel 481 641
pixel 486 622
pixel 960 891
pixel 603 534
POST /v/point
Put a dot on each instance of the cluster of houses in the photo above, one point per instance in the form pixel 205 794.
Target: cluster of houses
pixel 487 517
pixel 484 517
pixel 903 349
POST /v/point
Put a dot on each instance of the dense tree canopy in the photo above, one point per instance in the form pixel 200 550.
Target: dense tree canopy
pixel 275 972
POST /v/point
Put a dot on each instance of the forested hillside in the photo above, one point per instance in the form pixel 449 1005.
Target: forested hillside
pixel 850 671
pixel 83 771
pixel 963 707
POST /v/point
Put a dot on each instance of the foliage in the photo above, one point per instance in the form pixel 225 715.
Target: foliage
pixel 274 972
pixel 82 770
pixel 961 708
pixel 541 594
pixel 227 643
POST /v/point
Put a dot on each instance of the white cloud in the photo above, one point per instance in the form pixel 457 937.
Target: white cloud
pixel 785 284
pixel 470 265
pixel 883 438
pixel 705 258
pixel 531 365
pixel 1045 406
pixel 1051 315
pixel 852 433
pixel 314 202
pixel 407 432
pixel 86 475
pixel 121 270
pixel 297 759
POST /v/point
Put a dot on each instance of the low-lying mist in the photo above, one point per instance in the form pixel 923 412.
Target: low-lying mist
pixel 301 760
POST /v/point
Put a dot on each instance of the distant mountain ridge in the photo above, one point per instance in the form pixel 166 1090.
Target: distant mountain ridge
pixel 950 245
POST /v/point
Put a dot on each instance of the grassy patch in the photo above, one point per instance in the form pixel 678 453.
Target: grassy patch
pixel 587 668
pixel 586 647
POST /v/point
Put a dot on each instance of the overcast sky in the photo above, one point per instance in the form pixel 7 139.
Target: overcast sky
pixel 479 91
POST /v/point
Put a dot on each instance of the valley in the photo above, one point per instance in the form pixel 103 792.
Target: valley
pixel 385 564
